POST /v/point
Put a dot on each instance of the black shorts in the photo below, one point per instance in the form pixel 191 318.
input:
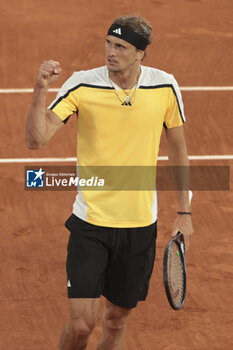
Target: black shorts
pixel 114 262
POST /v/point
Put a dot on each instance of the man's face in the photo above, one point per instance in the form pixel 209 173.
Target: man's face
pixel 120 54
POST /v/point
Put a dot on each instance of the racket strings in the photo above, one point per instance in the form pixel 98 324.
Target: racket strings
pixel 175 274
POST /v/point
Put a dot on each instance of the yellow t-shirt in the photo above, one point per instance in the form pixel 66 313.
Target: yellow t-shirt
pixel 114 135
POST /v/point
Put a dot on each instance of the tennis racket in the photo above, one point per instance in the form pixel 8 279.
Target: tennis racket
pixel 174 271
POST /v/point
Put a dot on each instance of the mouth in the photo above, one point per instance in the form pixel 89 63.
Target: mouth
pixel 112 62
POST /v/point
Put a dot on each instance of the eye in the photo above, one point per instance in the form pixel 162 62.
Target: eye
pixel 119 46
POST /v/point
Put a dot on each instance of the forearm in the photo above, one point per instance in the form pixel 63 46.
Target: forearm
pixel 178 160
pixel 41 126
pixel 36 130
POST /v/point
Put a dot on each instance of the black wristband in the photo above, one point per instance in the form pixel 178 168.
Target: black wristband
pixel 184 213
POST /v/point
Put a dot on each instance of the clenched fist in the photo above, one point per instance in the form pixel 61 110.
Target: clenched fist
pixel 48 73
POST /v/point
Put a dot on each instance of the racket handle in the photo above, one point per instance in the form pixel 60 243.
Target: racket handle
pixel 181 236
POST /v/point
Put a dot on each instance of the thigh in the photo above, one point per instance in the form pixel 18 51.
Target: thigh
pixel 115 312
pixel 86 260
pixel 131 266
pixel 84 311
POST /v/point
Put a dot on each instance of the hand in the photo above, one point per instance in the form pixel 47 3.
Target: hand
pixel 184 224
pixel 48 73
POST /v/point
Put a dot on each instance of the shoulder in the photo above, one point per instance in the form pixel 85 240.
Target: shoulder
pixel 96 77
pixel 156 77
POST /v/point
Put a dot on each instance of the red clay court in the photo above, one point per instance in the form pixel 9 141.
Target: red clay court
pixel 192 40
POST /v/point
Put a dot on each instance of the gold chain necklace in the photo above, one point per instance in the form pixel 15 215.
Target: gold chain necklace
pixel 128 101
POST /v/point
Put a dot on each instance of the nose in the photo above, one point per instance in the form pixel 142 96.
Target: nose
pixel 111 51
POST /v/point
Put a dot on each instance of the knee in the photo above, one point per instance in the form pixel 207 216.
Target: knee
pixel 116 319
pixel 81 328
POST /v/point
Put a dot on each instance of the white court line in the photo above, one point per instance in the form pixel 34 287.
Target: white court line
pixel 22 91
pixel 182 88
pixel 74 159
pixel 206 88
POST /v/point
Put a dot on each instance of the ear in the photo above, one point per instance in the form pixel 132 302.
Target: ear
pixel 140 55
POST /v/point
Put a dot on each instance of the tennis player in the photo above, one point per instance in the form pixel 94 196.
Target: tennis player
pixel 122 108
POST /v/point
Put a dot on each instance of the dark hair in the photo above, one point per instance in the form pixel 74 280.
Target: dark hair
pixel 138 24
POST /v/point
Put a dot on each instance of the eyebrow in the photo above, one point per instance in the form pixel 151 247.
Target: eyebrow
pixel 117 44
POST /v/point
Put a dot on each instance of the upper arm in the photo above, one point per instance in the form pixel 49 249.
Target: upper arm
pixel 64 105
pixel 67 100
pixel 53 123
pixel 174 116
pixel 175 138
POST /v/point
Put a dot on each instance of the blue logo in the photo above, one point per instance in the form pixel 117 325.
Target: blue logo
pixel 35 178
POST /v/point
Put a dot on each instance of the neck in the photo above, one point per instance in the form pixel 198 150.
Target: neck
pixel 126 79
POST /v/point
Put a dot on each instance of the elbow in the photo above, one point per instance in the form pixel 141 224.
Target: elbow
pixel 33 144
